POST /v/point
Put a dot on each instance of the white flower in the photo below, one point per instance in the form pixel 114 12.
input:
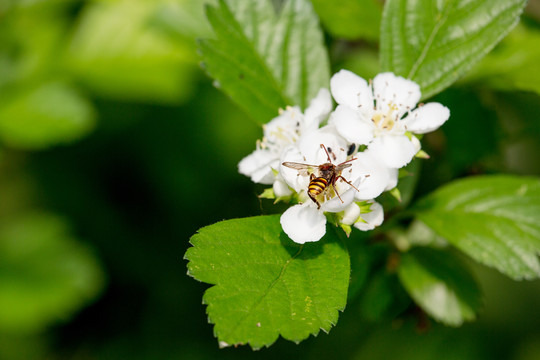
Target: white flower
pixel 382 115
pixel 306 222
pixel 262 165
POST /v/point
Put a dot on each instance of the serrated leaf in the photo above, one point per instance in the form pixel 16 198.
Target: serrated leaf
pixel 350 19
pixel 493 219
pixel 435 42
pixel 45 115
pixel 45 275
pixel 265 61
pixel 440 284
pixel 265 285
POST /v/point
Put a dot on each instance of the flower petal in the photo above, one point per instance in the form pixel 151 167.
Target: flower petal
pixel 351 214
pixel 395 151
pixel 427 118
pixel 258 166
pixel 396 90
pixel 371 219
pixel 393 178
pixel 318 110
pixel 281 188
pixel 310 146
pixel 296 179
pixel 352 125
pixel 351 90
pixel 336 204
pixel 375 176
pixel 303 223
pixel 283 129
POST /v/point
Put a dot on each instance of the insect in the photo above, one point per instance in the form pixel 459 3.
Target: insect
pixel 328 174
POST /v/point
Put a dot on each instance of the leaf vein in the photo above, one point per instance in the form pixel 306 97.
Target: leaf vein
pixel 270 287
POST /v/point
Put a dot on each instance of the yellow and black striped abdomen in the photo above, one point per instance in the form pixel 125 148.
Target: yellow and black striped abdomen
pixel 317 186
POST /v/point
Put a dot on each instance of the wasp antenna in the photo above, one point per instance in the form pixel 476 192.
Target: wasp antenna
pixel 327 154
pixel 348 161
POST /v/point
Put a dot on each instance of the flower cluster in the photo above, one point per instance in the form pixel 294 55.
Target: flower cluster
pixel 335 162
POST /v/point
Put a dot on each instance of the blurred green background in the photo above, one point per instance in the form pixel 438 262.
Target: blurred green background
pixel 115 148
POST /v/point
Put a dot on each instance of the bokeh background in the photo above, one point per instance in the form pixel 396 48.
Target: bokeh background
pixel 115 148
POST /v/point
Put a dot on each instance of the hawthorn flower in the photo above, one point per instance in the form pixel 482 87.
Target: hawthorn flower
pixel 262 165
pixel 383 115
pixel 306 222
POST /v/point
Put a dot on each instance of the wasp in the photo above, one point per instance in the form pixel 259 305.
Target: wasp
pixel 328 174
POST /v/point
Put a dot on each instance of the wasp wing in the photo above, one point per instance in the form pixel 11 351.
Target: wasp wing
pixel 303 169
pixel 342 166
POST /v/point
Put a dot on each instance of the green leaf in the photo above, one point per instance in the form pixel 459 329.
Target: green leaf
pixel 265 284
pixel 45 275
pixel 434 42
pixel 493 219
pixel 29 46
pixel 45 115
pixel 265 61
pixel 351 19
pixel 440 284
pixel 118 51
pixel 363 61
pixel 509 66
pixel 184 19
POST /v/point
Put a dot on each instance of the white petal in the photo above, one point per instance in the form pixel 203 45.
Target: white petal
pixel 351 90
pixel 318 110
pixel 283 128
pixel 375 176
pixel 258 166
pixel 336 204
pixel 391 89
pixel 416 143
pixel 372 219
pixel 303 223
pixel 393 178
pixel 281 188
pixel 427 118
pixel 351 214
pixel 395 151
pixel 351 125
pixel 310 146
pixel 296 180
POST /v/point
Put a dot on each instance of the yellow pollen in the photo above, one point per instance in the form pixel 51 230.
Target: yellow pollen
pixel 385 121
pixel 377 118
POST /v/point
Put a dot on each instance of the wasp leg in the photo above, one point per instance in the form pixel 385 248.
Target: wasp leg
pixel 335 190
pixel 348 182
pixel 314 200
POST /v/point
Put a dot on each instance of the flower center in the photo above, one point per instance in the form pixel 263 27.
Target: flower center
pixel 385 121
pixel 279 137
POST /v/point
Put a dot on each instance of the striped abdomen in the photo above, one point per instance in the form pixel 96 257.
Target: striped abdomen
pixel 317 186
